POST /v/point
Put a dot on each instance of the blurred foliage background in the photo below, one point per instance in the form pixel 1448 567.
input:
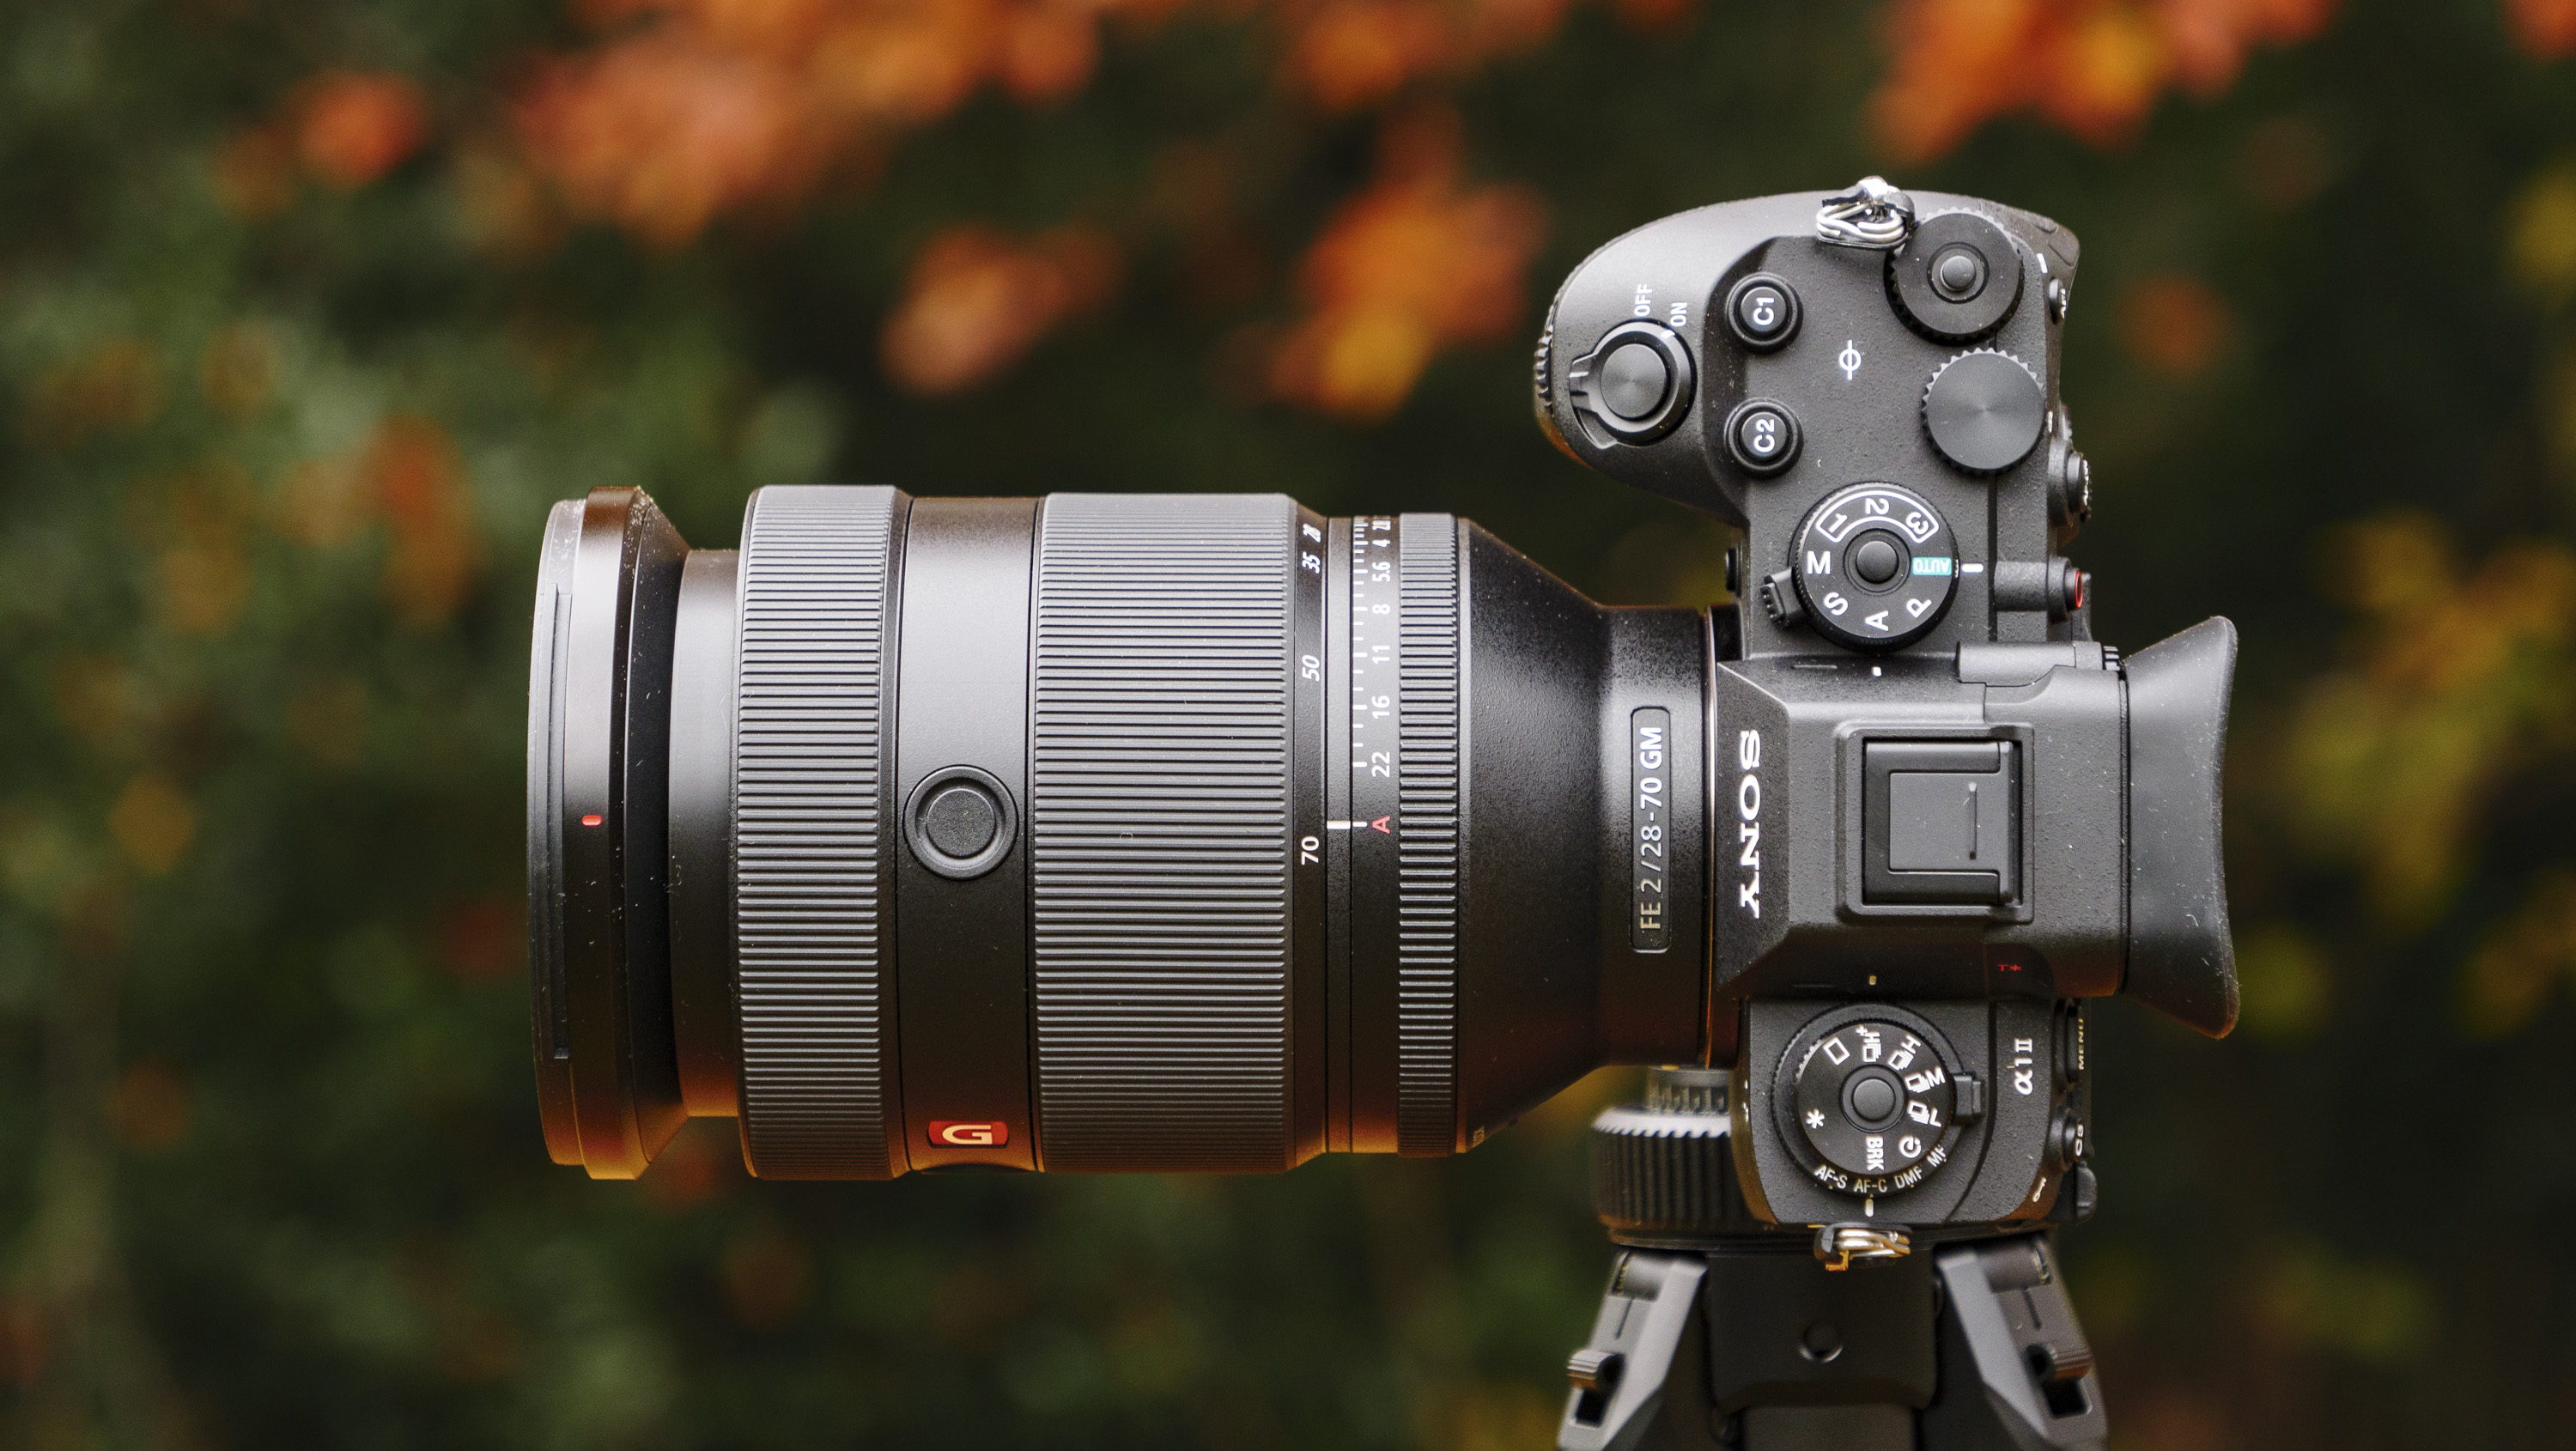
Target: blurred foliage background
pixel 308 308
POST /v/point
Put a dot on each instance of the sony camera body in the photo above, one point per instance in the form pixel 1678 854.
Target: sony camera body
pixel 1941 813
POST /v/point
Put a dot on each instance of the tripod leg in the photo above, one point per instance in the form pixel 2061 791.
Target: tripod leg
pixel 2016 1371
pixel 1641 1381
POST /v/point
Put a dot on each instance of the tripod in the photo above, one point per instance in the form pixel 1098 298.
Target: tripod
pixel 1719 1332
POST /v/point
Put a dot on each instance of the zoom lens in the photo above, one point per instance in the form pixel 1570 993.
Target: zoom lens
pixel 1094 832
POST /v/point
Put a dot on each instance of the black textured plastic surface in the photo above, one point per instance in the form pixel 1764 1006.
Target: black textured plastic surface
pixel 811 833
pixel 1427 876
pixel 1158 809
pixel 1663 1175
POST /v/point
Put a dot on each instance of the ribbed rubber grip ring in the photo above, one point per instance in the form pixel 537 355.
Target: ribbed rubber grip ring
pixel 1158 827
pixel 1658 1174
pixel 1427 875
pixel 814 980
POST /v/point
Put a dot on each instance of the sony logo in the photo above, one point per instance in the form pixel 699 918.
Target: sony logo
pixel 1748 826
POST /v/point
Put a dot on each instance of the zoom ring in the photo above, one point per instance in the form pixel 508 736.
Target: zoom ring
pixel 1427 877
pixel 1159 841
pixel 810 833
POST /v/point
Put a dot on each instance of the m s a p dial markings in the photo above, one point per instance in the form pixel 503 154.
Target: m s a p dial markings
pixel 1876 566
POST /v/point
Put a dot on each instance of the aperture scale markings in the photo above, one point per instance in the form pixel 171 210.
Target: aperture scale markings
pixel 1374 624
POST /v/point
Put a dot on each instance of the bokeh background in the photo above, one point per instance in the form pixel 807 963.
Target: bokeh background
pixel 309 308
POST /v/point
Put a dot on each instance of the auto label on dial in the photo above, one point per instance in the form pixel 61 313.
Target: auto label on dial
pixel 1876 565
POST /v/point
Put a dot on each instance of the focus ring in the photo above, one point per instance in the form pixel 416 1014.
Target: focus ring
pixel 1427 876
pixel 1159 841
pixel 810 830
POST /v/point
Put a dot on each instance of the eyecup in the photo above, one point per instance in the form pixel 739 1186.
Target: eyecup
pixel 2182 961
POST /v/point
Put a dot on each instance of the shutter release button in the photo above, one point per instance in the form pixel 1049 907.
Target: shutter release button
pixel 1958 272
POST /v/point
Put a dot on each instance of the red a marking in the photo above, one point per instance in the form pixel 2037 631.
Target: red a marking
pixel 2009 966
pixel 1380 824
pixel 969 1133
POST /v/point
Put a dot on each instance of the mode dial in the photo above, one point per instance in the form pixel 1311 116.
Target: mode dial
pixel 1875 565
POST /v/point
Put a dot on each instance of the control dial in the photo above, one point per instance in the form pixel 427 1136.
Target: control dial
pixel 1871 1096
pixel 1984 410
pixel 1876 566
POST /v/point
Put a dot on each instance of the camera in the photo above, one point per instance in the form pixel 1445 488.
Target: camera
pixel 1169 832
pixel 1942 814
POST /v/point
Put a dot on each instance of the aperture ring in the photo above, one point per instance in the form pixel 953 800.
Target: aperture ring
pixel 1428 877
pixel 812 834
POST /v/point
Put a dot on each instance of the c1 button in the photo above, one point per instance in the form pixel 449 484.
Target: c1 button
pixel 1762 436
pixel 1762 311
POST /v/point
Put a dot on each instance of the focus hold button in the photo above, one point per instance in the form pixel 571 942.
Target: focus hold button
pixel 1762 436
pixel 1762 311
pixel 962 820
pixel 959 822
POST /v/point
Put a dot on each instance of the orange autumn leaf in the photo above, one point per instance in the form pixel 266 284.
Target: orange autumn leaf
pixel 689 109
pixel 1347 53
pixel 2173 324
pixel 419 484
pixel 2544 28
pixel 977 300
pixel 351 128
pixel 696 107
pixel 1416 262
pixel 2095 67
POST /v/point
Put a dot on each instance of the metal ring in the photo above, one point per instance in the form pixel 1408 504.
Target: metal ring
pixel 1837 1245
pixel 1873 214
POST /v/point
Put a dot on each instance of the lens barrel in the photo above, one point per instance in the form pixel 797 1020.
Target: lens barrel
pixel 1094 832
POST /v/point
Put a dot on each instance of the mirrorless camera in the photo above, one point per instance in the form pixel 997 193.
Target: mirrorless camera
pixel 1199 832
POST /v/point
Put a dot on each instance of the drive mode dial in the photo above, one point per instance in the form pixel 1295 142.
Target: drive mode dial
pixel 1875 565
pixel 1871 1098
